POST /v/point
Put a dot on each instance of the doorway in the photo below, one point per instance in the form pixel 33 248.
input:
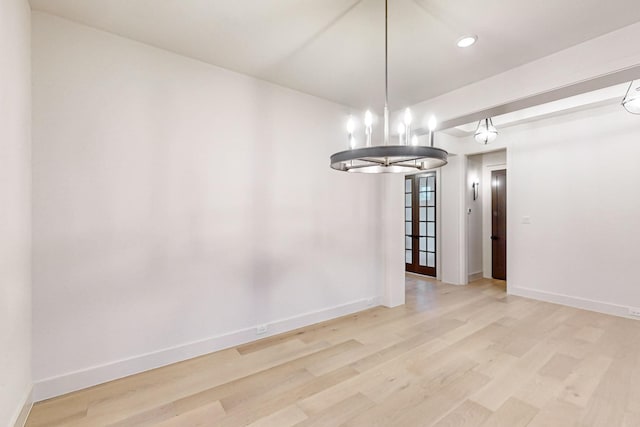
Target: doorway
pixel 499 224
pixel 420 223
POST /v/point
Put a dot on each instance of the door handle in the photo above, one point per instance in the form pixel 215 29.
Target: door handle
pixel 495 238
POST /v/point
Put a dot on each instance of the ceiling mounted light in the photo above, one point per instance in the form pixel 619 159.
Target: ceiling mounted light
pixel 631 100
pixel 407 156
pixel 486 132
pixel 466 41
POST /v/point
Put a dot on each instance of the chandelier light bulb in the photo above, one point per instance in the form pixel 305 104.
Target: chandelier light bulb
pixel 401 130
pixel 414 140
pixel 407 117
pixel 432 123
pixel 368 119
pixel 352 141
pixel 350 125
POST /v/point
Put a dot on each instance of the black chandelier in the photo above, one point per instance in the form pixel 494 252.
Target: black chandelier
pixel 406 156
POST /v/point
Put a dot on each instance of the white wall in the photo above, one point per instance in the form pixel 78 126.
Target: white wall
pixel 177 205
pixel 577 178
pixel 474 216
pixel 392 231
pixel 453 254
pixel 15 211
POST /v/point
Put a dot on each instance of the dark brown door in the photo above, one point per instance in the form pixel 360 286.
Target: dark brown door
pixel 420 223
pixel 499 224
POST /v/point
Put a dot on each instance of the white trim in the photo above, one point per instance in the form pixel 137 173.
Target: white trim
pixel 463 237
pixel 83 378
pixel 438 225
pixel 419 276
pixel 475 276
pixel 572 301
pixel 22 415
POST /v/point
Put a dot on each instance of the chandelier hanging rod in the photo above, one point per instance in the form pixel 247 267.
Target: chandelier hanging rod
pixel 386 72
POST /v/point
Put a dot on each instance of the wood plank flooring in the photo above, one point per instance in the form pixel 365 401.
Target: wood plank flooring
pixel 452 356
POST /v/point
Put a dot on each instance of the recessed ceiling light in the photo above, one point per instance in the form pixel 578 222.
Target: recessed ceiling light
pixel 467 41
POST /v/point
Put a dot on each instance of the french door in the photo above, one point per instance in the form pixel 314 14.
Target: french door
pixel 420 223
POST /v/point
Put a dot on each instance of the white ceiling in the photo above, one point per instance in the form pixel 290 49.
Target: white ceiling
pixel 334 48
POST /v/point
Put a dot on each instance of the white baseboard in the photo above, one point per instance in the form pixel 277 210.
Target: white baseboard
pixel 475 276
pixel 77 380
pixel 23 414
pixel 571 301
pixel 420 276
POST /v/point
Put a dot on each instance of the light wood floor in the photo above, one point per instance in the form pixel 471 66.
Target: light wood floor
pixel 452 356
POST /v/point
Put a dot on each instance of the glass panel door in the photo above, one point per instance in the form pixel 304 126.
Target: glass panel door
pixel 420 223
pixel 408 221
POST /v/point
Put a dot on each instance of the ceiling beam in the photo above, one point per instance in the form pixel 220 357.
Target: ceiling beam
pixel 562 92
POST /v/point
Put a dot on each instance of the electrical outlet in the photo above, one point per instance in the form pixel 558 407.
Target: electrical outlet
pixel 634 311
pixel 370 302
pixel 261 329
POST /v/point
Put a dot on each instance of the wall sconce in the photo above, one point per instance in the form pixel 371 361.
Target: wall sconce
pixel 475 187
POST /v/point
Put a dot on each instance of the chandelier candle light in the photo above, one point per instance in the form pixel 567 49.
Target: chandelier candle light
pixel 407 156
